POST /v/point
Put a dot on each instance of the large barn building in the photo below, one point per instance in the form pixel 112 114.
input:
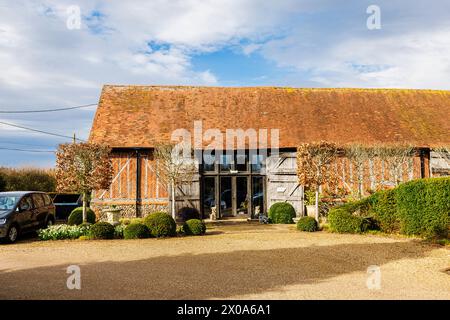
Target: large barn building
pixel 132 120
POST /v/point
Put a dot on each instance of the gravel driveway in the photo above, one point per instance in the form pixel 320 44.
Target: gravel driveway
pixel 242 261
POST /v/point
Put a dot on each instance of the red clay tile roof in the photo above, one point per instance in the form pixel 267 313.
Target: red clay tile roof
pixel 141 116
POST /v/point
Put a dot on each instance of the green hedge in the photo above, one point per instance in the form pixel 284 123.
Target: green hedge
pixel 194 227
pixel 423 207
pixel 308 224
pixel 343 221
pixel 136 231
pixel 419 207
pixel 281 212
pixel 76 216
pixel 160 224
pixel 383 209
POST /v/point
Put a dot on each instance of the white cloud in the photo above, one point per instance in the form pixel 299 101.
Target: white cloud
pixel 313 42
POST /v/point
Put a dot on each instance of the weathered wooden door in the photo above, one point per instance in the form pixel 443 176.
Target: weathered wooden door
pixel 282 181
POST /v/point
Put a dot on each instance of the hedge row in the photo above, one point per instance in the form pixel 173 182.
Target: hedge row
pixel 419 207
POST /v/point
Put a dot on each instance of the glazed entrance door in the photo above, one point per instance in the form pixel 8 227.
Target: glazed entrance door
pixel 233 184
pixel 233 196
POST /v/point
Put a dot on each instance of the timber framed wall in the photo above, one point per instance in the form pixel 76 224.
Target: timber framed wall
pixel 136 187
pixel 138 190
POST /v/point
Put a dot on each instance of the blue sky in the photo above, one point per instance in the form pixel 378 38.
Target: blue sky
pixel 298 43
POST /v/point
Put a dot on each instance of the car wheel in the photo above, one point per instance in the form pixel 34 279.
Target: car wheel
pixel 13 232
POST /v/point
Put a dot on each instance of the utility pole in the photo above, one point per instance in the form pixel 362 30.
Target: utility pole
pixel 74 138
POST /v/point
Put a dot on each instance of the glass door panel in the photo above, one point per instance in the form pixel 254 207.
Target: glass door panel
pixel 226 204
pixel 258 194
pixel 209 195
pixel 241 195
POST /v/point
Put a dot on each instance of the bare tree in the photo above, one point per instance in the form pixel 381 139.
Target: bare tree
pixel 83 167
pixel 359 154
pixel 314 162
pixel 176 167
pixel 395 156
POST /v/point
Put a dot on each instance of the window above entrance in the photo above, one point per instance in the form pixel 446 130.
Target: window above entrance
pixel 233 163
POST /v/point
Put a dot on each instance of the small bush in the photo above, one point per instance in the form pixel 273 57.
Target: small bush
pixel 118 231
pixel 76 216
pixel 194 227
pixel 281 212
pixel 188 213
pixel 136 231
pixel 343 221
pixel 308 224
pixel 101 230
pixel 160 224
pixel 63 232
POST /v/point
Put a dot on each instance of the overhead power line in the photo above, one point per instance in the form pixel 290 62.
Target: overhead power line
pixel 40 131
pixel 48 110
pixel 27 150
pixel 24 144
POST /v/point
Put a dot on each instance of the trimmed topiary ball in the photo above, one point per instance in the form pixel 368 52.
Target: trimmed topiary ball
pixel 101 230
pixel 194 227
pixel 281 212
pixel 76 216
pixel 160 224
pixel 188 213
pixel 308 224
pixel 136 231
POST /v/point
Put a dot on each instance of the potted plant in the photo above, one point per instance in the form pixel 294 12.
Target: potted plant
pixel 113 214
pixel 310 202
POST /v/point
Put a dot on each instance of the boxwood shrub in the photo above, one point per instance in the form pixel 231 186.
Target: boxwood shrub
pixel 136 231
pixel 308 224
pixel 101 230
pixel 76 216
pixel 194 227
pixel 281 212
pixel 341 220
pixel 160 224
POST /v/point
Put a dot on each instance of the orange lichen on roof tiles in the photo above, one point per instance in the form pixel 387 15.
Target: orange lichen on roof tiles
pixel 142 116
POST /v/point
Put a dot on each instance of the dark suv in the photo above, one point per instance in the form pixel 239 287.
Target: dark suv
pixel 24 211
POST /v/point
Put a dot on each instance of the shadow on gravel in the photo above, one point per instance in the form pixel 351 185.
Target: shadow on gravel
pixel 202 276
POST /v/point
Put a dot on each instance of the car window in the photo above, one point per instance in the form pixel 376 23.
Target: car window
pixel 25 203
pixel 8 202
pixel 38 200
pixel 47 199
pixel 66 198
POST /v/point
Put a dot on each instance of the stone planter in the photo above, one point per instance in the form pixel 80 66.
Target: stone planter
pixel 311 211
pixel 112 215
